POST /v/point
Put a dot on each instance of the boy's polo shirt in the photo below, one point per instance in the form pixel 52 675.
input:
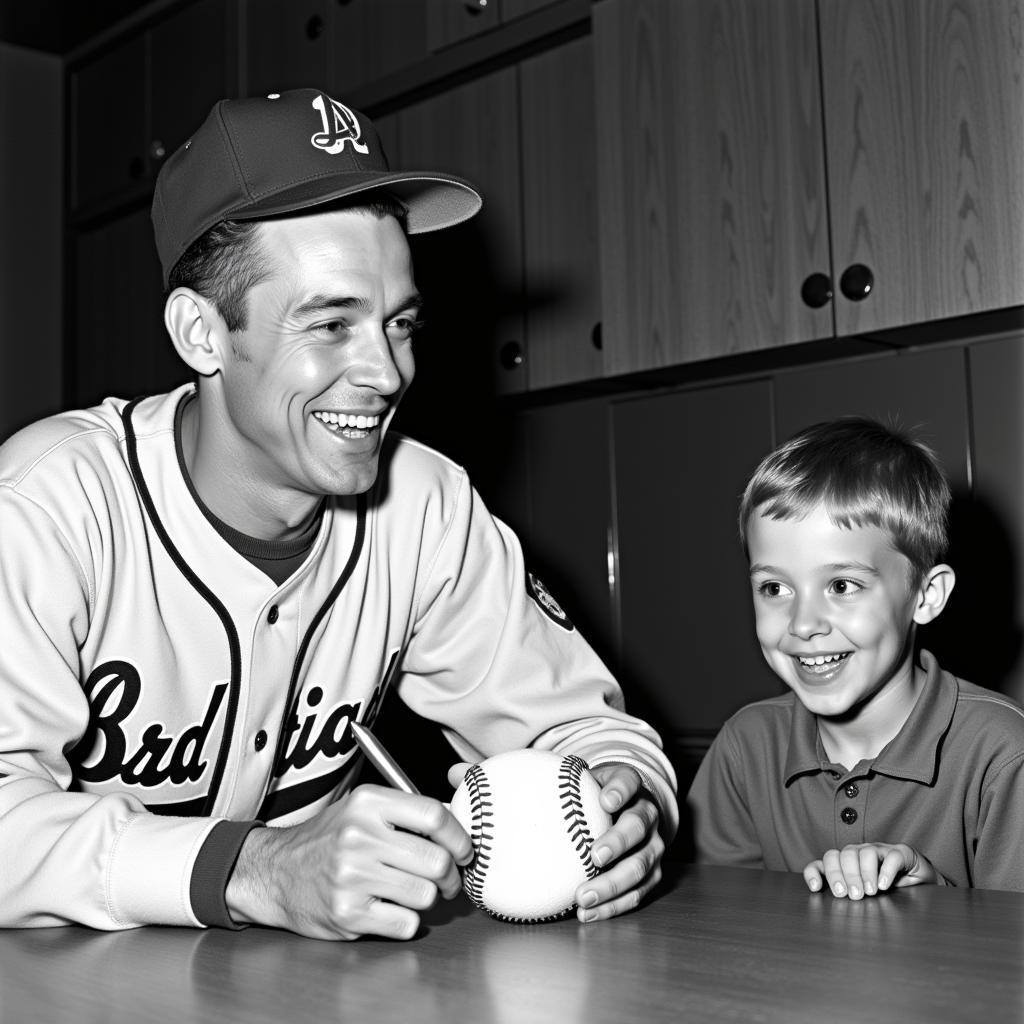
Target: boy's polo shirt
pixel 950 784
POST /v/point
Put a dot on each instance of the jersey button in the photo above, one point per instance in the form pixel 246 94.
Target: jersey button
pixel 273 614
pixel 851 790
pixel 849 815
pixel 260 740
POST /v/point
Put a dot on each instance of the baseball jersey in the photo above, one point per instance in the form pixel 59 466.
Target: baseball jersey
pixel 950 784
pixel 155 683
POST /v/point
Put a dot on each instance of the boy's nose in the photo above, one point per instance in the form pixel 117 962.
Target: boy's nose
pixel 808 619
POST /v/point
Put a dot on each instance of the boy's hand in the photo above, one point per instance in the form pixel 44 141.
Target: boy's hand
pixel 865 869
pixel 629 853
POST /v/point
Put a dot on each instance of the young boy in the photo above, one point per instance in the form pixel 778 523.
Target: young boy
pixel 876 770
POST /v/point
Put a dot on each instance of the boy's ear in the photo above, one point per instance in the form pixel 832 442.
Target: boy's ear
pixel 934 593
pixel 197 330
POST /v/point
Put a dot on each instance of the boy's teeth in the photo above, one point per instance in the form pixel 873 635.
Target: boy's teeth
pixel 822 659
pixel 341 419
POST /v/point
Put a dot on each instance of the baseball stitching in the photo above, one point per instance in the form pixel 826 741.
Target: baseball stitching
pixel 480 803
pixel 569 776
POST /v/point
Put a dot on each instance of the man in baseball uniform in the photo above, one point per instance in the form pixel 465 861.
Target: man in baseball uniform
pixel 204 588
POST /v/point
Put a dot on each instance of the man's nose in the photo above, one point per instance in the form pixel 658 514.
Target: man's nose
pixel 373 363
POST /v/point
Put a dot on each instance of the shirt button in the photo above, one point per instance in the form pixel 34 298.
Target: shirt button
pixel 272 614
pixel 260 740
pixel 849 815
pixel 851 790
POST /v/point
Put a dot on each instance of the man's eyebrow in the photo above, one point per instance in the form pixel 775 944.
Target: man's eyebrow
pixel 323 303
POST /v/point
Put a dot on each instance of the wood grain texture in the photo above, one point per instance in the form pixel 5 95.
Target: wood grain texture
pixel 924 105
pixel 722 944
pixel 711 177
pixel 471 131
pixel 562 276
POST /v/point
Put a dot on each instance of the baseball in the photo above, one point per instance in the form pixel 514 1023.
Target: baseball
pixel 533 816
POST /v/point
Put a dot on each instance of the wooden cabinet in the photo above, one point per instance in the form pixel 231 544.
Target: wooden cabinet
pixel 521 279
pixel 718 121
pixel 560 215
pixel 453 21
pixel 135 104
pixel 924 114
pixel 681 461
pixel 472 274
pixel 120 346
pixel 335 45
pixel 990 559
pixel 711 178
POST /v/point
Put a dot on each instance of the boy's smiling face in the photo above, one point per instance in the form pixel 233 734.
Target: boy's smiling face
pixel 835 610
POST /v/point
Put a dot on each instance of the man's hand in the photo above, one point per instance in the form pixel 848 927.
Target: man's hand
pixel 866 869
pixel 363 866
pixel 629 853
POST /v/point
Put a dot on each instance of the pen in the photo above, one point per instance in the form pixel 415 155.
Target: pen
pixel 381 759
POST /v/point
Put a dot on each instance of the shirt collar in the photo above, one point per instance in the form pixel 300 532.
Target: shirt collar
pixel 911 754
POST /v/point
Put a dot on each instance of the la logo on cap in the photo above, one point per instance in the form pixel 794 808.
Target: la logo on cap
pixel 340 126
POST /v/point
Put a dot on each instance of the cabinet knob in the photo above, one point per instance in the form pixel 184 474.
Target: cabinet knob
pixel 856 282
pixel 314 27
pixel 511 355
pixel 816 291
pixel 475 6
pixel 595 337
pixel 157 150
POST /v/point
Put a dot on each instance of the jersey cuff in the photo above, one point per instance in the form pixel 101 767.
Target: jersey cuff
pixel 212 869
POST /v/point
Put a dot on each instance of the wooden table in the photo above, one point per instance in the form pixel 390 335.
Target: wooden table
pixel 720 944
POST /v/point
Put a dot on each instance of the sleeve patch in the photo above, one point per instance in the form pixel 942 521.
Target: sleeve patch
pixel 547 604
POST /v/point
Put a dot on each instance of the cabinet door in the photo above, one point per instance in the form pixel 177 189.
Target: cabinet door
pixel 452 21
pixel 924 392
pixel 287 45
pixel 471 275
pixel 711 178
pixel 108 118
pixel 991 569
pixel 687 624
pixel 567 540
pixel 188 74
pixel 560 214
pixel 120 346
pixel 924 113
pixel 374 38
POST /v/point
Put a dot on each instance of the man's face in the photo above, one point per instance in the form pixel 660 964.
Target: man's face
pixel 834 609
pixel 314 380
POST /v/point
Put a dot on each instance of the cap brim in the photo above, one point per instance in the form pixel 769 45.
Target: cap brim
pixel 434 201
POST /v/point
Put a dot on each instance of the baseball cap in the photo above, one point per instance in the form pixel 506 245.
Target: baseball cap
pixel 260 156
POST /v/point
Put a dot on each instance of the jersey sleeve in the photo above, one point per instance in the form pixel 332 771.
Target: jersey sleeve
pixel 496 662
pixel 67 856
pixel 723 828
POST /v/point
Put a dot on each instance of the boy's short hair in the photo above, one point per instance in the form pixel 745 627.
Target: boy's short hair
pixel 863 474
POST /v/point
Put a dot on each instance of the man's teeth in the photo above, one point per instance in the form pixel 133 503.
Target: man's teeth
pixel 342 420
pixel 822 659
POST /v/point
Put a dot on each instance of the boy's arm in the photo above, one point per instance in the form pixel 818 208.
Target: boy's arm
pixel 723 828
pixel 998 861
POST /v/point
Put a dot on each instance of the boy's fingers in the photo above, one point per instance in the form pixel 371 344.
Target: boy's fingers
pixel 834 872
pixel 849 862
pixel 894 863
pixel 869 858
pixel 812 875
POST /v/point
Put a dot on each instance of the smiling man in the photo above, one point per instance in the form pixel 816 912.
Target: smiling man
pixel 205 588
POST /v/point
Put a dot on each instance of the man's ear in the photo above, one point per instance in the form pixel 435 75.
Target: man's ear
pixel 196 329
pixel 933 593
